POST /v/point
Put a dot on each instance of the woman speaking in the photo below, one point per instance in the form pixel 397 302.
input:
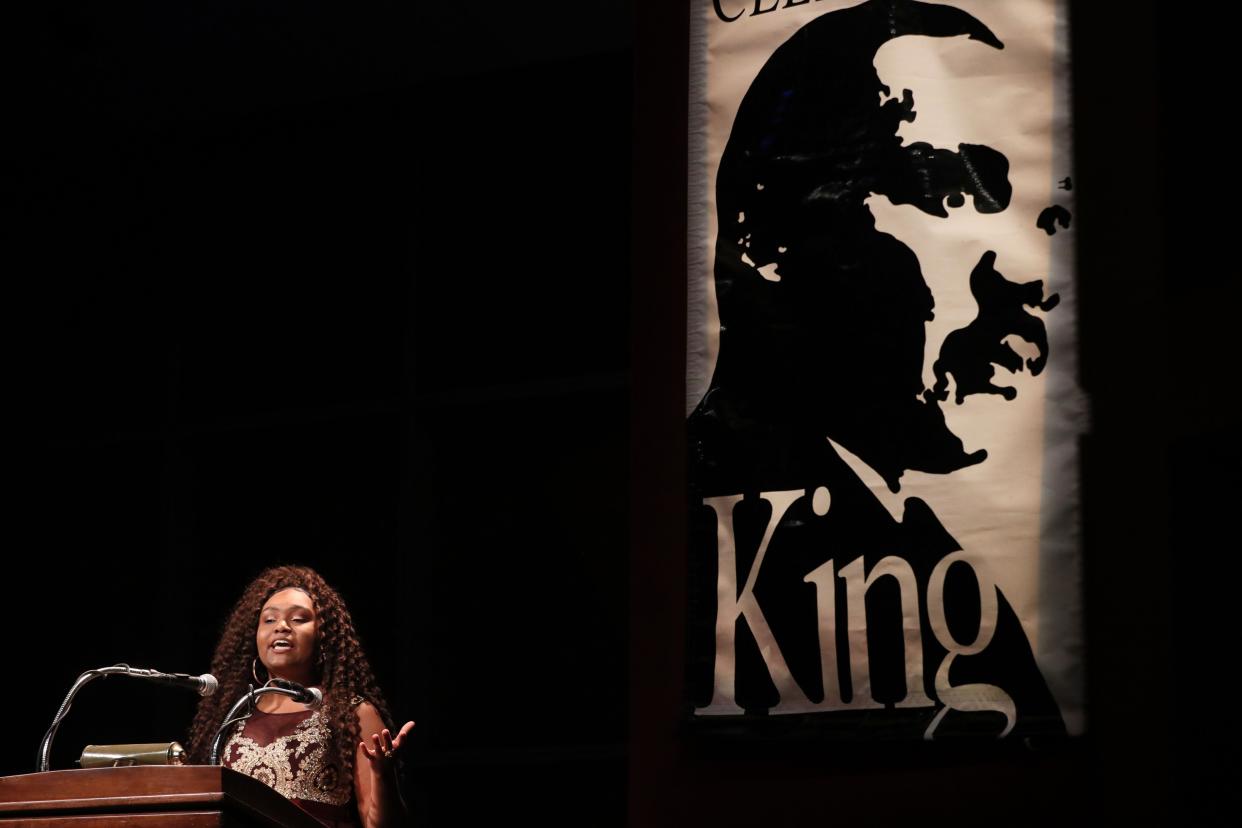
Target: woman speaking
pixel 336 762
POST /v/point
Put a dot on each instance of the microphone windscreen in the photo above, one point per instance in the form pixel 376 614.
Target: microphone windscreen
pixel 210 685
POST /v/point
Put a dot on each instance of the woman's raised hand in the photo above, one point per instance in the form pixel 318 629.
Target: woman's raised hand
pixel 384 746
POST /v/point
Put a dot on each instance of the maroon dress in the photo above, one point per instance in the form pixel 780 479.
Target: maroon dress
pixel 289 752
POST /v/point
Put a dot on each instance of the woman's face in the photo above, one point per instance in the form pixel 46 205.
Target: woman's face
pixel 287 636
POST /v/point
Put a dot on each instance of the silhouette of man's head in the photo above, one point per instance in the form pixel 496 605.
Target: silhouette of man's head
pixel 822 316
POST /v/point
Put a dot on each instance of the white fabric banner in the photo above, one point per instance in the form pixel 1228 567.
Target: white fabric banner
pixel 881 373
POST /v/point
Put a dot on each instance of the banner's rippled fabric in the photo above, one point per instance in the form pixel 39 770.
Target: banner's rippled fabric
pixel 881 400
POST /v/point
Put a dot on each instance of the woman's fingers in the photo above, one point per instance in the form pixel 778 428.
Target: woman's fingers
pixel 404 732
pixel 383 744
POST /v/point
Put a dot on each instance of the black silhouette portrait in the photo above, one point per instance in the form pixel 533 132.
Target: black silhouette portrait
pixel 821 350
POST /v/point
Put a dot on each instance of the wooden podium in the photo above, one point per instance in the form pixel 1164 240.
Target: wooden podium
pixel 193 796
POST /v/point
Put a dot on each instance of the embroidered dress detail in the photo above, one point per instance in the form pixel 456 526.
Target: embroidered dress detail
pixel 295 764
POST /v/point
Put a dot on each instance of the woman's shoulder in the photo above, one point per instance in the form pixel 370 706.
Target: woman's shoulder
pixel 368 714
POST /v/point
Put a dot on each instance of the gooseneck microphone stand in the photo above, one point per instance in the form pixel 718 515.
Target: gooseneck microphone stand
pixel 45 747
pixel 204 685
pixel 305 695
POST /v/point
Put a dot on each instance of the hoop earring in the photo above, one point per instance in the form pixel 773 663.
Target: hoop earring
pixel 254 671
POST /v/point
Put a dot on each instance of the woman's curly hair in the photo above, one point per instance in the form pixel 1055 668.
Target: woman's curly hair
pixel 345 675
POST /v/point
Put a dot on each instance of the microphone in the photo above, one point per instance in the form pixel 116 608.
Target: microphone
pixel 204 685
pixel 310 696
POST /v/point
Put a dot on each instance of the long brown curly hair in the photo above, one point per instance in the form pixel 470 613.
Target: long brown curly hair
pixel 345 675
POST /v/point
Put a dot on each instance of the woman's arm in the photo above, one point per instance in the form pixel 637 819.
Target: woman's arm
pixel 375 771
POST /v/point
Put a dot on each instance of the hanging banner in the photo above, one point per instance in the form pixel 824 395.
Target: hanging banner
pixel 882 407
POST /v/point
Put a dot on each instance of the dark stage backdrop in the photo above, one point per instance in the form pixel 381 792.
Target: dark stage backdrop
pixel 346 288
pixel 239 335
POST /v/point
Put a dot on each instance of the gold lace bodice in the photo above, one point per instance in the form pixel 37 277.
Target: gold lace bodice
pixel 290 755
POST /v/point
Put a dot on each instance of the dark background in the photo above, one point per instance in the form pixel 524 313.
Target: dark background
pixel 344 286
pixel 352 287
